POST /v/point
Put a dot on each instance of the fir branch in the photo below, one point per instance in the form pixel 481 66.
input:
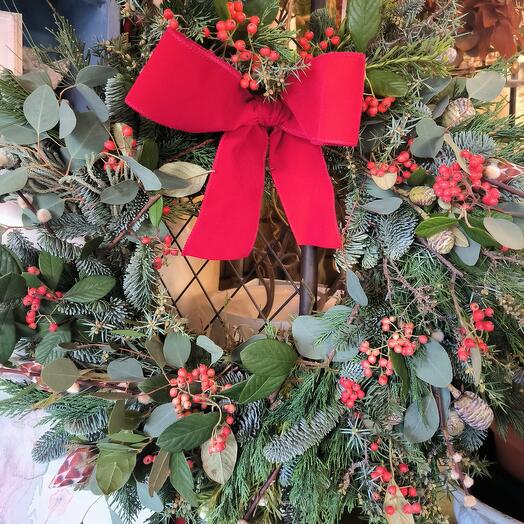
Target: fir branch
pixel 51 445
pixel 140 279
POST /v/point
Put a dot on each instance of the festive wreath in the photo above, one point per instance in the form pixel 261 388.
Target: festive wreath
pixel 380 403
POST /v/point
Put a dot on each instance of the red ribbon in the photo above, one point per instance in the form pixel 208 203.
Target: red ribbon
pixel 187 87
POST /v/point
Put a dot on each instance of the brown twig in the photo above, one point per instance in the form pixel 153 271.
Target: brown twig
pixel 256 499
pixel 506 187
pixel 444 260
pixel 189 150
pixel 139 215
pixel 30 205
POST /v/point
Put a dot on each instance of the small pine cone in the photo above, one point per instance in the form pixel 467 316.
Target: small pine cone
pixel 455 424
pixel 458 111
pixel 422 195
pixel 449 55
pixel 442 242
pixel 474 411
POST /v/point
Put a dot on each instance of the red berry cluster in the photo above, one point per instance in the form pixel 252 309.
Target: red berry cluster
pixel 481 324
pixel 112 162
pixel 307 46
pixel 149 459
pixel 352 392
pixel 381 474
pixel 34 298
pixel 403 166
pixel 218 442
pixel 453 184
pixel 374 361
pixel 166 244
pixel 373 106
pixel 170 17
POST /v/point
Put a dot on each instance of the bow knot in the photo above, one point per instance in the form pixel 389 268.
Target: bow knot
pixel 186 87
pixel 271 114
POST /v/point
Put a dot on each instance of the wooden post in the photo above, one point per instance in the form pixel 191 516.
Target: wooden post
pixel 308 280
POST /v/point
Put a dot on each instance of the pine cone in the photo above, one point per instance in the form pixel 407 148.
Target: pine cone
pixel 449 56
pixel 442 242
pixel 422 195
pixel 474 411
pixel 458 111
pixel 455 424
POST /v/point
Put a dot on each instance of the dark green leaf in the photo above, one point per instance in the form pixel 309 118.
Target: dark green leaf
pixel 159 472
pixel 114 468
pixel 269 358
pixel 90 289
pixel 478 234
pixel 155 212
pixel 234 392
pixel 122 419
pixel 221 9
pixel 49 347
pixel 432 365
pixel 157 386
pixel 12 286
pixel 149 154
pixel 220 466
pixel 9 262
pixel 181 478
pixel 51 268
pixel 364 17
pixel 418 177
pixel 8 336
pixel 432 226
pixel 386 83
pixel 400 368
pixel 260 8
pixel 41 109
pixel 60 374
pixel 11 181
pixel 188 432
pixel 95 75
pixel 421 424
pixel 259 387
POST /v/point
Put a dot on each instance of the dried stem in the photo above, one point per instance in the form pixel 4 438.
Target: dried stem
pixel 30 205
pixel 256 499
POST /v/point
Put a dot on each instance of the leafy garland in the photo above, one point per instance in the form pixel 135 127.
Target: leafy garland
pixel 378 404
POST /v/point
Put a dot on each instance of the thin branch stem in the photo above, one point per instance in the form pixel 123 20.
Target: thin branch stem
pixel 30 205
pixel 256 499
pixel 507 187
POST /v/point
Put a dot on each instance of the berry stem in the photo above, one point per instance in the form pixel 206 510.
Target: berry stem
pixel 139 215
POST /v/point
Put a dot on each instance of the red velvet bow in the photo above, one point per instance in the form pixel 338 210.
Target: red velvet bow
pixel 187 87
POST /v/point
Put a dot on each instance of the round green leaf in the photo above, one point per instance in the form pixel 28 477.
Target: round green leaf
pixel 41 109
pixel 269 358
pixel 306 330
pixel 421 424
pixel 11 181
pixel 160 419
pixel 60 374
pixel 125 369
pixel 177 348
pixel 94 102
pixel 87 138
pixel 220 466
pixel 383 206
pixel 429 140
pixel 152 502
pixel 485 85
pixel 432 365
pixel 208 345
pixel 67 119
pixel 95 75
pixel 354 288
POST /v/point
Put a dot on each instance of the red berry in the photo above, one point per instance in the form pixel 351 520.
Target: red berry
pixel 127 131
pixel 168 14
pixel 222 35
pixel 145 240
pixel 329 32
pixel 166 210
pixel 274 56
pixel 239 6
pixel 423 339
pixel 390 510
pixel 309 35
pixel 373 446
pixel 109 145
pixel 207 32
pixel 53 327
pixel 230 25
pixel 251 28
pixel 335 40
pixel 173 24
pixel 265 51
pixel 253 85
pixel 412 492
pixel 239 45
pixel 323 45
pixel 254 20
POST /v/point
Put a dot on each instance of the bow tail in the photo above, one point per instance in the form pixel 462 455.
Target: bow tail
pixel 227 224
pixel 305 189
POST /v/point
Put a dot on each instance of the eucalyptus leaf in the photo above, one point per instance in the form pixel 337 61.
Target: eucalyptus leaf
pixel 177 348
pixel 354 288
pixel 87 138
pixel 67 119
pixel 383 206
pixel 155 348
pixel 375 191
pixel 95 75
pixel 156 212
pixel 12 181
pixel 432 365
pixel 160 419
pixel 208 345
pixel 152 502
pixel 120 194
pixel 306 331
pixel 220 466
pixel 429 140
pixel 420 424
pixel 94 102
pixel 125 369
pixel 468 255
pixel 19 134
pixel 34 79
pixel 50 201
pixel 41 109
pixel 485 85
pixel 60 374
pixel 149 180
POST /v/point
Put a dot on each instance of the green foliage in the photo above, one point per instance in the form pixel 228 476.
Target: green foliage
pixel 51 445
pixel 140 279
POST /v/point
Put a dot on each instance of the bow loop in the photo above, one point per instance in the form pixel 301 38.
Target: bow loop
pixel 186 87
